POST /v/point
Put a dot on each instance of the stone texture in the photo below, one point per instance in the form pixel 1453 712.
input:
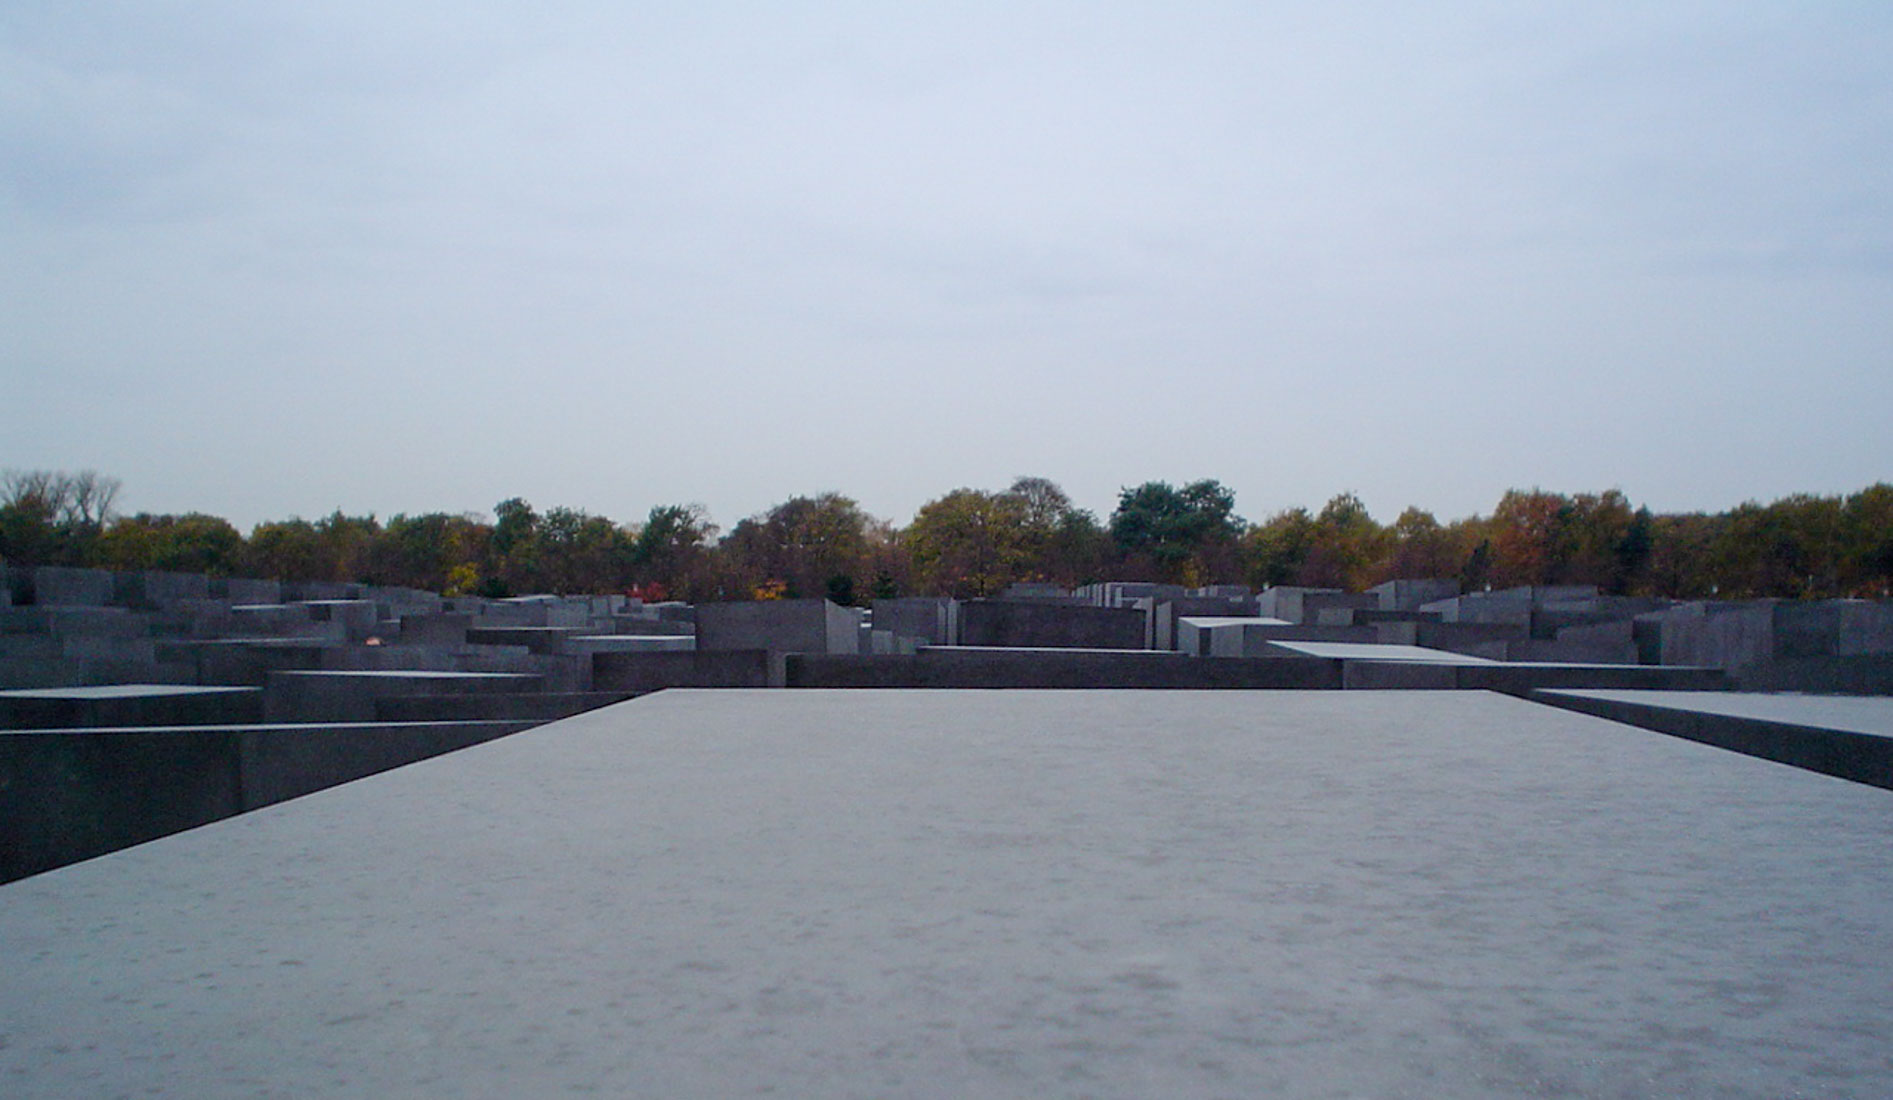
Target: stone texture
pixel 1104 894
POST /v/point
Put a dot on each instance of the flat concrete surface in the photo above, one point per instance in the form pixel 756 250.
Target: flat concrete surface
pixel 1854 713
pixel 121 691
pixel 1018 893
pixel 1373 651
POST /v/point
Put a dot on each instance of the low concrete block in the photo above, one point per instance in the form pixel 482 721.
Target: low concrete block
pixel 1848 737
pixel 71 795
pixel 333 696
pixel 990 667
pixel 640 673
pixel 129 705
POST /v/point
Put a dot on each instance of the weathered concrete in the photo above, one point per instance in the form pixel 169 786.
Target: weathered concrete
pixel 1107 894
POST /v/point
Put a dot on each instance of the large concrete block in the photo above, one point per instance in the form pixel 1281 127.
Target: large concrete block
pixel 1409 594
pixel 640 673
pixel 1012 624
pixel 1847 737
pixel 1167 613
pixel 358 620
pixel 55 586
pixel 1860 674
pixel 962 667
pixel 246 590
pixel 71 620
pixel 74 794
pixel 931 621
pixel 1253 639
pixel 1104 894
pixel 782 626
pixel 349 696
pixel 150 590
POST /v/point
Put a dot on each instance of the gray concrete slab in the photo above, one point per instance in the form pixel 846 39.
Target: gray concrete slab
pixel 74 794
pixel 1372 651
pixel 1857 713
pixel 1850 737
pixel 781 626
pixel 349 696
pixel 991 667
pixel 1014 624
pixel 991 894
pixel 129 705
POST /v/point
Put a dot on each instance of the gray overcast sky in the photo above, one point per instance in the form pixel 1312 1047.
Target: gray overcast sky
pixel 265 260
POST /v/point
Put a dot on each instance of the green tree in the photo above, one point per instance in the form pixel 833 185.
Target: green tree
pixel 50 517
pixel 670 549
pixel 1177 531
pixel 1867 540
pixel 289 550
pixel 190 543
pixel 1276 548
pixel 434 551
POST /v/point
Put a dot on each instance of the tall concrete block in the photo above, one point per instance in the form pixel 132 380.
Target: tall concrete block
pixel 1409 594
pixel 1009 624
pixel 781 626
pixel 933 621
pixel 60 587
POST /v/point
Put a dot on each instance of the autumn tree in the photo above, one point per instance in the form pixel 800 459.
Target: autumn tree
pixel 1063 544
pixel 1345 545
pixel 190 543
pixel 810 546
pixel 969 543
pixel 1417 546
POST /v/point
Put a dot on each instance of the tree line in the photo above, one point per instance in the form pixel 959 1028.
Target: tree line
pixel 973 542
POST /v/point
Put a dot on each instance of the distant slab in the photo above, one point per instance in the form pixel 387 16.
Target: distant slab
pixel 1021 893
pixel 128 705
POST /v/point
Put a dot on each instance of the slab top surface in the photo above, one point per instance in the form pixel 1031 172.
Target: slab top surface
pixel 121 691
pixel 1856 713
pixel 1374 651
pixel 399 673
pixel 991 893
